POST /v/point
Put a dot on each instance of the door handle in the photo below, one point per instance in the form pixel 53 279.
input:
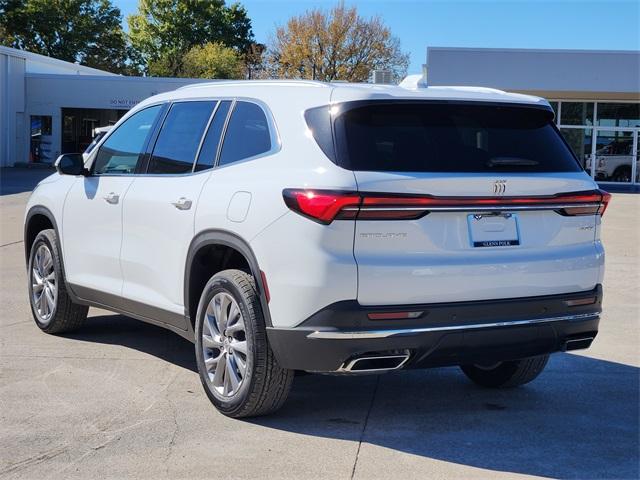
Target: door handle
pixel 182 204
pixel 112 198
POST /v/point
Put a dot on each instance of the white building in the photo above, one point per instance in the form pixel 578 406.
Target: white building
pixel 596 96
pixel 49 106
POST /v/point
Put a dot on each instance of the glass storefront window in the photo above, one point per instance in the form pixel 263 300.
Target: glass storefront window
pixel 579 139
pixel 40 146
pixel 613 126
pixel 40 125
pixel 576 113
pixel 614 155
pixel 638 159
pixel 617 114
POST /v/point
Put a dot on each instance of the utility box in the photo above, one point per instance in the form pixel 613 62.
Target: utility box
pixel 382 76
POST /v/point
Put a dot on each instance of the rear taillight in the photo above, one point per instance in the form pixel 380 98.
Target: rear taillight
pixel 324 206
pixel 606 198
pixel 378 207
pixel 588 203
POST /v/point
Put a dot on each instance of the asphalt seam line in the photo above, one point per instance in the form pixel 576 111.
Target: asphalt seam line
pixel 364 427
pixel 11 243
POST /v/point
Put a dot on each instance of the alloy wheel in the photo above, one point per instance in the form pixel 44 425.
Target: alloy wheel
pixel 224 345
pixel 44 284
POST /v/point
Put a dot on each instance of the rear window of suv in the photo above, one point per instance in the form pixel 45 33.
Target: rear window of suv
pixel 443 137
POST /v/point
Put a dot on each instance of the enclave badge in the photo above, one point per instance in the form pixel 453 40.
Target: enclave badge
pixel 499 187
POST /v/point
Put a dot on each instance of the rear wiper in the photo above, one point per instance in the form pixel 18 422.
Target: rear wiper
pixel 511 162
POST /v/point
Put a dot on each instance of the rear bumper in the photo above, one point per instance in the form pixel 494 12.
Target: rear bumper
pixel 444 333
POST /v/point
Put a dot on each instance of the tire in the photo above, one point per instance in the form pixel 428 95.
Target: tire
pixel 622 174
pixel 506 374
pixel 230 332
pixel 51 306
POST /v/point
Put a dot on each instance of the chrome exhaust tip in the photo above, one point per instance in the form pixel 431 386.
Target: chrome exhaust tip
pixel 375 363
pixel 578 343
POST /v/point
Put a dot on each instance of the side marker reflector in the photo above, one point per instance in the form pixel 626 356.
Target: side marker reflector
pixel 266 287
pixel 580 301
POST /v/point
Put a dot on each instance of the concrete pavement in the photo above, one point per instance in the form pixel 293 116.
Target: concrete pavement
pixel 121 399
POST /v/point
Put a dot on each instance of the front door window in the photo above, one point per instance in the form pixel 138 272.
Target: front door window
pixel 120 153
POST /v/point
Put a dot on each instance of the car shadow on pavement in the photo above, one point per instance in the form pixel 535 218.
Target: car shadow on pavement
pixel 579 419
pixel 114 329
pixel 19 180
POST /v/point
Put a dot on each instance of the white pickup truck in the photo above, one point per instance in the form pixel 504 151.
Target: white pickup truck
pixel 613 162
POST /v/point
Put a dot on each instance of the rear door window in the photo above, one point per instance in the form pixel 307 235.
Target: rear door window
pixel 179 139
pixel 247 134
pixel 450 137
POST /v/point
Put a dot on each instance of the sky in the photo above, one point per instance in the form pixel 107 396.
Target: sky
pixel 559 24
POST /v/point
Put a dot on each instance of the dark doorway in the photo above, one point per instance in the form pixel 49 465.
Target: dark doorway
pixel 78 126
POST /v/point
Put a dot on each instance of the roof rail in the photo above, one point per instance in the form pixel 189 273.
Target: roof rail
pixel 254 82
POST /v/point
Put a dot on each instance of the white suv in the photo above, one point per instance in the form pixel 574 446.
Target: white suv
pixel 294 225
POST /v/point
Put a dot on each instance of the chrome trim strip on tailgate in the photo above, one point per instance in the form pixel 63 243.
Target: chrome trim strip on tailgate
pixel 471 208
pixel 353 335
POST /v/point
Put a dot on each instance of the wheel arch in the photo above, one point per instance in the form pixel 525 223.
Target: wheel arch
pixel 38 218
pixel 227 240
pixel 622 168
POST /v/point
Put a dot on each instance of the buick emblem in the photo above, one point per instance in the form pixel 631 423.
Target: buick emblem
pixel 499 187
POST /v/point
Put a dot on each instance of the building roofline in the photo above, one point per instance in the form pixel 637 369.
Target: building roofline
pixel 117 78
pixel 534 50
pixel 14 52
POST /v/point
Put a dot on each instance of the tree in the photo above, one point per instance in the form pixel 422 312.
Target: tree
pixel 335 45
pixel 163 31
pixel 5 39
pixel 212 60
pixel 88 32
pixel 254 62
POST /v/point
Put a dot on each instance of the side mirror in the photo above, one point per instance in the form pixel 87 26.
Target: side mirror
pixel 71 164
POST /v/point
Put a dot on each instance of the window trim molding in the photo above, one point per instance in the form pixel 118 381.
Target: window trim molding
pixel 204 135
pixel 223 134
